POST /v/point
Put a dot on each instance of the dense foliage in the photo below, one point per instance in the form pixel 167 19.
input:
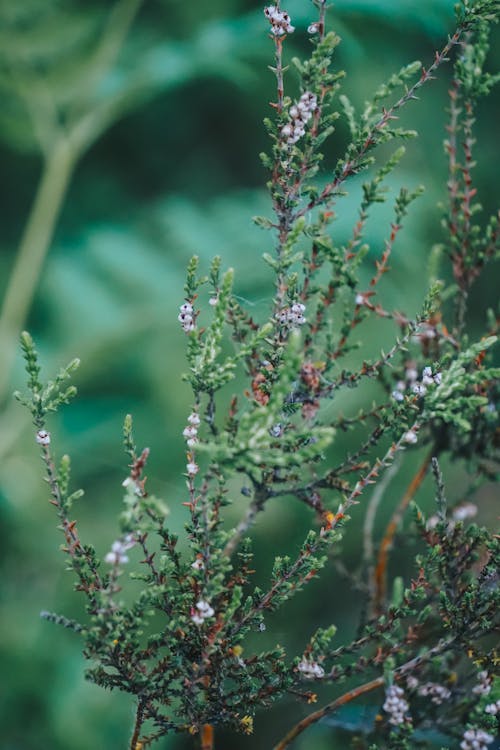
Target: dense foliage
pixel 264 424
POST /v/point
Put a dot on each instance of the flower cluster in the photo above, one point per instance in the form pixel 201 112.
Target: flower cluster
pixel 395 705
pixel 437 693
pixel 117 555
pixel 200 613
pixel 428 378
pixel 476 739
pixel 419 387
pixel 279 20
pixel 483 687
pixel 191 431
pixel 292 316
pixel 300 114
pixel 310 669
pixel 186 317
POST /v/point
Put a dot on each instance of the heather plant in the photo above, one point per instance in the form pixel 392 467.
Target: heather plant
pixel 176 623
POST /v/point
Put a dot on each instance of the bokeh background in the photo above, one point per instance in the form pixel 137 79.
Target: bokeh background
pixel 171 169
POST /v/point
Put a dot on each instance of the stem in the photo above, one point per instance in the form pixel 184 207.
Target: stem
pixel 380 574
pixel 246 522
pixel 207 737
pixel 371 512
pixel 135 744
pixel 33 248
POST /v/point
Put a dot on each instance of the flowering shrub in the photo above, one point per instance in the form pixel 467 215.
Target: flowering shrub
pixel 179 643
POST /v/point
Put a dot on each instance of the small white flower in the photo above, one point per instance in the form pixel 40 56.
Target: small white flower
pixel 213 301
pixel 493 708
pixel 410 437
pixel 360 299
pixel 186 308
pixel 204 608
pixel 313 28
pixel 191 442
pixel 112 558
pixel 276 430
pixel 188 327
pixel 419 390
pixel 190 432
pixel 201 612
pixel 484 685
pixel 192 468
pixel 438 378
pixel 194 418
pixel 412 682
pixel 198 564
pixel 42 437
pixel 411 374
pixel 432 522
pixel 117 555
pixel 464 511
pixel 397 396
pixel 298 308
pixel 310 669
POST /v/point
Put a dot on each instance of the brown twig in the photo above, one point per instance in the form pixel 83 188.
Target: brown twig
pixel 135 744
pixel 380 573
pixel 207 737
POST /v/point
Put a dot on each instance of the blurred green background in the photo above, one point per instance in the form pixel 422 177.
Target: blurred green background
pixel 166 101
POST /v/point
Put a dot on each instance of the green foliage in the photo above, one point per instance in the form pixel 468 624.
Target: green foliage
pixel 180 632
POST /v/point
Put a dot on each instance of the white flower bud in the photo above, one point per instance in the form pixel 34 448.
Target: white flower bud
pixel 410 437
pixel 42 437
